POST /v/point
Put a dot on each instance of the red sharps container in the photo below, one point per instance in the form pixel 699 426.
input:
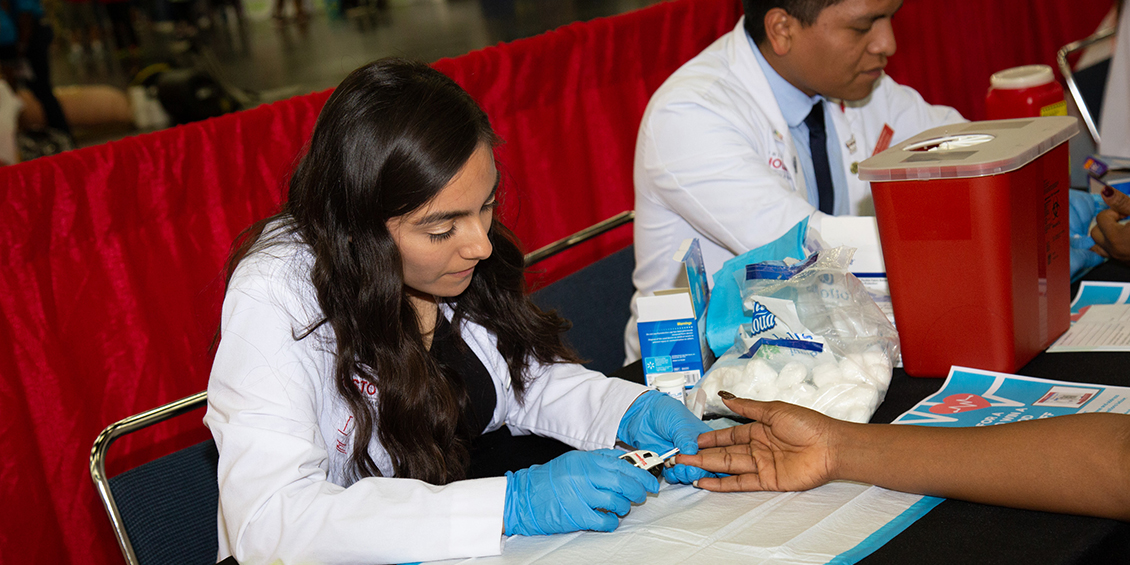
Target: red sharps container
pixel 1024 92
pixel 973 224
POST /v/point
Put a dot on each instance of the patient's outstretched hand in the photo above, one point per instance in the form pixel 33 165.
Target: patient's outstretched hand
pixel 787 448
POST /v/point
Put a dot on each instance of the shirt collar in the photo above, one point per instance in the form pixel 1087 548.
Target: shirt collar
pixel 795 105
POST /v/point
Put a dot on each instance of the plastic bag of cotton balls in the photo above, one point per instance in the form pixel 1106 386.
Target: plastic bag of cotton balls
pixel 850 388
pixel 826 300
pixel 819 302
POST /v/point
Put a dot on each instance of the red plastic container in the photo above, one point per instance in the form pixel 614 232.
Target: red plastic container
pixel 973 221
pixel 1024 92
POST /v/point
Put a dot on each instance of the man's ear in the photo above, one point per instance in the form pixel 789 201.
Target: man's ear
pixel 779 31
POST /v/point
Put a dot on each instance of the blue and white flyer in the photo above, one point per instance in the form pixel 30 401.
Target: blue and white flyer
pixel 972 397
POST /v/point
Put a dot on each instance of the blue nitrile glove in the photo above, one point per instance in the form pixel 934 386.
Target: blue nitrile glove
pixel 1083 206
pixel 565 495
pixel 658 422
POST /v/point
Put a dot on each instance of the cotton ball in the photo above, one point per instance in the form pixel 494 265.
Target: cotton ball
pixel 759 371
pixel 711 385
pixel 765 392
pixel 836 411
pixel 728 376
pixel 858 415
pixel 853 371
pixel 870 396
pixel 791 375
pixel 876 358
pixel 878 375
pixel 826 374
pixel 855 404
pixel 877 368
pixel 829 396
pixel 802 395
pixel 742 387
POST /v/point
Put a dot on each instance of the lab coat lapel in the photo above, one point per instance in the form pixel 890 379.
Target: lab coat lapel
pixel 751 77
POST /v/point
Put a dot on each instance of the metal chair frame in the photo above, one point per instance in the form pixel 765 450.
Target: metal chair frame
pixel 582 236
pixel 102 445
pixel 1069 77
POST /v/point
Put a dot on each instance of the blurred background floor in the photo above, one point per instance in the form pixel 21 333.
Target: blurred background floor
pixel 264 55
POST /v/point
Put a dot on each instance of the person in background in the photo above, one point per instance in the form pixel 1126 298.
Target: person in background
pixel 765 128
pixel 25 43
pixel 279 13
pixel 1111 235
pixel 1076 464
pixel 377 329
pixel 120 13
pixel 84 33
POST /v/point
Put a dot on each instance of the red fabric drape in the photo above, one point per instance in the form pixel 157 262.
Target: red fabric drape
pixel 568 103
pixel 110 288
pixel 111 257
pixel 947 50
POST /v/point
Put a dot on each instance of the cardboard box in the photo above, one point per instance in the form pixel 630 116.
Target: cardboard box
pixel 672 324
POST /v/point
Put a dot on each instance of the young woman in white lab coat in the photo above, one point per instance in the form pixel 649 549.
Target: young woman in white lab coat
pixel 375 328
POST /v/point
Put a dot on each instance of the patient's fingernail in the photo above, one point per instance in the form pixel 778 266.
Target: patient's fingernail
pixel 1108 191
pixel 726 395
pixel 695 483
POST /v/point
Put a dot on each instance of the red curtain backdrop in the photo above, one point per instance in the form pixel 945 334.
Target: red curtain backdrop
pixel 110 287
pixel 568 104
pixel 111 257
pixel 947 50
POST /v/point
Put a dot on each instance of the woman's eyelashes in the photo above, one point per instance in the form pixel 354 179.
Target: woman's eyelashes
pixel 438 237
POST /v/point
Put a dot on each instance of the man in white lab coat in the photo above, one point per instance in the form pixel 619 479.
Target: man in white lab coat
pixel 723 152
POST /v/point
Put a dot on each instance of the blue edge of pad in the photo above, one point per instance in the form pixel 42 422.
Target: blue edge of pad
pixel 888 531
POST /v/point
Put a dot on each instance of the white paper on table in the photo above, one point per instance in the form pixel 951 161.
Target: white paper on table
pixel 1103 327
pixel 683 524
pixel 1098 292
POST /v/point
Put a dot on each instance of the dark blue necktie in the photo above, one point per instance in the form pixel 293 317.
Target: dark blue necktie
pixel 818 143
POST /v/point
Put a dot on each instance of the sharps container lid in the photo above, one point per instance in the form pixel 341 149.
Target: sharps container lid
pixel 973 149
pixel 1026 76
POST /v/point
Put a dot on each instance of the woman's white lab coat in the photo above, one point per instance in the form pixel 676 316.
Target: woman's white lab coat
pixel 285 436
pixel 715 160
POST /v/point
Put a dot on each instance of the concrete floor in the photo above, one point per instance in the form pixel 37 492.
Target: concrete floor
pixel 269 60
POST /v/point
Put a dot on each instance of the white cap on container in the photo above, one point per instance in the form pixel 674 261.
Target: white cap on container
pixel 669 380
pixel 1026 76
pixel 973 149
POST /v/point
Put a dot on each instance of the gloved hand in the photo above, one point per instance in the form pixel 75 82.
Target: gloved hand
pixel 658 422
pixel 568 493
pixel 1084 206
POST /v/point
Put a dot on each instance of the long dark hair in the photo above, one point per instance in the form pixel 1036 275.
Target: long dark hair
pixel 389 138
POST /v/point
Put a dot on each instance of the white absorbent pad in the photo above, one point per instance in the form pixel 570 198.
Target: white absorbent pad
pixel 840 522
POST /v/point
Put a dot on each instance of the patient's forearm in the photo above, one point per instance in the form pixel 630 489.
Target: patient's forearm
pixel 1077 464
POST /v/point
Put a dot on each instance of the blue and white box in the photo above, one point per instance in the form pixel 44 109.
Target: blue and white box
pixel 672 324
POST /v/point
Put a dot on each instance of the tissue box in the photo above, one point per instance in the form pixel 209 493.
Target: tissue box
pixel 672 324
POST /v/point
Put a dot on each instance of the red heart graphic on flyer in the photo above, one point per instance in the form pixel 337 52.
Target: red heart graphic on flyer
pixel 955 403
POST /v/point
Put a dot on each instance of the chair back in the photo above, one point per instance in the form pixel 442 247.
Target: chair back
pixel 168 507
pixel 1086 86
pixel 163 511
pixel 596 299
